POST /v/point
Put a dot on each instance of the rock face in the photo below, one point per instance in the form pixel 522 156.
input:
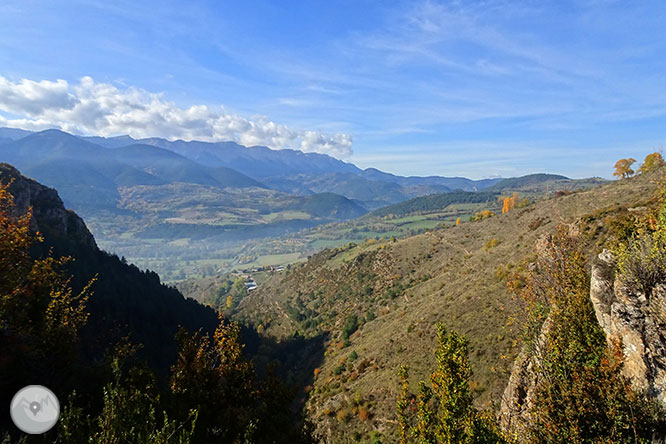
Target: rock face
pixel 518 397
pixel 48 211
pixel 637 322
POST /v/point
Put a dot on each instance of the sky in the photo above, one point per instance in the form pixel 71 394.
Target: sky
pixel 456 88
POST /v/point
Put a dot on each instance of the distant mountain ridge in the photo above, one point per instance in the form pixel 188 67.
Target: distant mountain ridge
pixel 282 167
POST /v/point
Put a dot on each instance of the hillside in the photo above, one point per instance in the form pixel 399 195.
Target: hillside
pixel 130 359
pixel 434 202
pixel 125 298
pixel 379 302
pixel 542 182
pixel 408 218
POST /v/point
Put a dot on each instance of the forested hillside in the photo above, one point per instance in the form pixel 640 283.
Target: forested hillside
pixel 130 359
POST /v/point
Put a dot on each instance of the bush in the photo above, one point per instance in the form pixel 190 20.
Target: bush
pixel 581 395
pixel 350 326
pixel 492 243
pixel 642 260
pixel 343 415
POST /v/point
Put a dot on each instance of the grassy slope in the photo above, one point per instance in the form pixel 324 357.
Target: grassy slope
pixel 450 277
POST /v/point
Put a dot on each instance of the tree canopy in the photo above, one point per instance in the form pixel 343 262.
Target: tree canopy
pixel 623 168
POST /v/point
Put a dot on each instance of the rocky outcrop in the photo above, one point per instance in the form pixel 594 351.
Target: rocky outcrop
pixel 633 320
pixel 637 322
pixel 518 397
pixel 48 212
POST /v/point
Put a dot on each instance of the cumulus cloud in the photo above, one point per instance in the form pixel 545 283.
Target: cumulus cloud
pixel 103 109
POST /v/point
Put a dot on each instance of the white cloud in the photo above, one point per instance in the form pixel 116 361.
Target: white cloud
pixel 103 109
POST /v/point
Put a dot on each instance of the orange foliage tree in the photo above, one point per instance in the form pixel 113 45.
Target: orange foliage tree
pixel 623 168
pixel 509 203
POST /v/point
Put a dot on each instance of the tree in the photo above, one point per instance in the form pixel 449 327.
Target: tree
pixel 652 162
pixel 623 168
pixel 131 411
pixel 40 315
pixel 442 412
pixel 458 221
pixel 212 375
pixel 509 203
pixel 484 214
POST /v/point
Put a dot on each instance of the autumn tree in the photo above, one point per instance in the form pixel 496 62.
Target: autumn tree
pixel 509 203
pixel 652 162
pixel 481 215
pixel 40 314
pixel 623 168
pixel 458 221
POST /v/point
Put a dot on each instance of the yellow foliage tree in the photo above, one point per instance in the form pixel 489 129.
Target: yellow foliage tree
pixel 485 214
pixel 509 203
pixel 458 221
pixel 623 168
pixel 652 162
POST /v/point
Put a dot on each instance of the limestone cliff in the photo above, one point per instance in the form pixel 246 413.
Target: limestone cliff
pixel 48 212
pixel 635 320
pixel 630 318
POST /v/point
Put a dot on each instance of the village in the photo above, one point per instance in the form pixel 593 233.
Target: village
pixel 248 274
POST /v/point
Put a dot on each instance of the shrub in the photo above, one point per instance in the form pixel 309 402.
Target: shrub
pixel 492 243
pixel 642 260
pixel 350 326
pixel 536 223
pixel 343 415
pixel 481 215
pixel 364 414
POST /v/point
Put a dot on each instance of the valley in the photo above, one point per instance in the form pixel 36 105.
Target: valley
pixel 188 209
pixel 415 222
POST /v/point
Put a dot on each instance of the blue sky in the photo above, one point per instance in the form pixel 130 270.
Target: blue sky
pixel 472 88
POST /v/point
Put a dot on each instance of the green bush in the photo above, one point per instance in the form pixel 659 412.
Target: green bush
pixel 350 326
pixel 642 260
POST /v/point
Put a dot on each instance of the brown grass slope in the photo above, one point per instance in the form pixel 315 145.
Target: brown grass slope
pixel 398 291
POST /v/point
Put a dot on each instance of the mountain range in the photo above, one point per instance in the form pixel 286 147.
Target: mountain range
pixel 286 170
pixel 149 198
